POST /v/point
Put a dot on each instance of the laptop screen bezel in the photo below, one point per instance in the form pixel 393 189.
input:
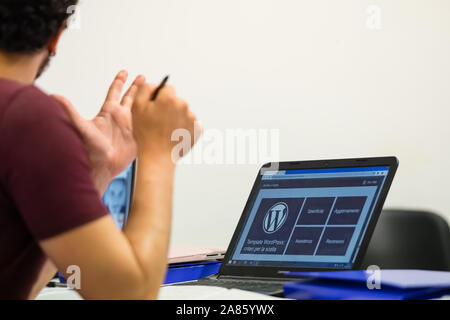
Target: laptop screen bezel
pixel 132 187
pixel 281 272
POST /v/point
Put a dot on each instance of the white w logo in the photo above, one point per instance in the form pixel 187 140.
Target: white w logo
pixel 275 218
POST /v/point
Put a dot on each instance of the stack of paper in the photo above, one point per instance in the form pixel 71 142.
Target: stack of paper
pixel 184 254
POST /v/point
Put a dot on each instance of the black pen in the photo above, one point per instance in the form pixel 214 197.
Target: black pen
pixel 162 85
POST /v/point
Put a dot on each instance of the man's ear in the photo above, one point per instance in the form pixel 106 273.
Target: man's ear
pixel 53 44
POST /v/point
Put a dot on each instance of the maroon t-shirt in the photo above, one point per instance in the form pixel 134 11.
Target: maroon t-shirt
pixel 45 183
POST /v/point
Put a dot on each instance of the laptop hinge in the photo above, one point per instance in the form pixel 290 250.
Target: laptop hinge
pixel 250 278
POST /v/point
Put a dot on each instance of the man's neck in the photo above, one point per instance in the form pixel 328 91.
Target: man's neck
pixel 20 67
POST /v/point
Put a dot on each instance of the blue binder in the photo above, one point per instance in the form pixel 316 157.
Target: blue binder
pixel 184 272
pixel 192 271
pixel 352 285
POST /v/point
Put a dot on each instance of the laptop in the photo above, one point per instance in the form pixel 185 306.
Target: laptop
pixel 304 216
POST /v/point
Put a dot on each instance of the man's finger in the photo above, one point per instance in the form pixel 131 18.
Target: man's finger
pixel 144 93
pixel 70 110
pixel 128 98
pixel 116 88
pixel 166 94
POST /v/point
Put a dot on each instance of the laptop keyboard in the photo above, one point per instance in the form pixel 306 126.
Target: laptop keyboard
pixel 266 287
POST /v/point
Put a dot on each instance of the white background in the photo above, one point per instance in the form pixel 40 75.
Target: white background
pixel 313 69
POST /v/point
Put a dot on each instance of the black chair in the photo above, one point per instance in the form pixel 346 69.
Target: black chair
pixel 409 240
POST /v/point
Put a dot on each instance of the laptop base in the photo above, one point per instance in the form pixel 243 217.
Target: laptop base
pixel 272 288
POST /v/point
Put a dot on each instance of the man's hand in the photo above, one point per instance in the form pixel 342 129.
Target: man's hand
pixel 155 122
pixel 108 138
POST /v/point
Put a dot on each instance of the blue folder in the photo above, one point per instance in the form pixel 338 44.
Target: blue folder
pixel 191 271
pixel 184 272
pixel 352 285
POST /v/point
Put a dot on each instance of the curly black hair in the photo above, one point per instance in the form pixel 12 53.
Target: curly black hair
pixel 26 26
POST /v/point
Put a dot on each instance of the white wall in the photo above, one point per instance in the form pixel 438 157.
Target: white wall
pixel 334 87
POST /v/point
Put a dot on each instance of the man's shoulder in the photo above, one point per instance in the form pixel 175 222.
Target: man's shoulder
pixel 31 118
pixel 8 91
pixel 9 87
pixel 26 105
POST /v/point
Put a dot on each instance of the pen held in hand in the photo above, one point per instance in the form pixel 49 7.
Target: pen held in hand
pixel 160 87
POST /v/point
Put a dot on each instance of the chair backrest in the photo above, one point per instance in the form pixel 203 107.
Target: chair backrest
pixel 406 239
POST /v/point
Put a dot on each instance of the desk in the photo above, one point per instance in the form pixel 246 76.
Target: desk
pixel 176 273
pixel 180 273
pixel 167 294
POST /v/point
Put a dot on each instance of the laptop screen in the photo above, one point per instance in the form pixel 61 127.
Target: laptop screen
pixel 118 195
pixel 309 218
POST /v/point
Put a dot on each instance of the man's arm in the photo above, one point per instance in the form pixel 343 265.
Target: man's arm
pixel 47 273
pixel 122 265
pixel 108 141
pixel 132 264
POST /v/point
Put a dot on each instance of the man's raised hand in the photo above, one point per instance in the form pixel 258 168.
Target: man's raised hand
pixel 108 138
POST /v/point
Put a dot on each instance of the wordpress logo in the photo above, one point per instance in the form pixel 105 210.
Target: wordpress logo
pixel 275 218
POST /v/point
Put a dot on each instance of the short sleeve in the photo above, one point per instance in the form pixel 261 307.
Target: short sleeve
pixel 47 172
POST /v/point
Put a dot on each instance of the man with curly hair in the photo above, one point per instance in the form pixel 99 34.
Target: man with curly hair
pixel 55 165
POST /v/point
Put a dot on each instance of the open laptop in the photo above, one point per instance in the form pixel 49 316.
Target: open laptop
pixel 304 216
